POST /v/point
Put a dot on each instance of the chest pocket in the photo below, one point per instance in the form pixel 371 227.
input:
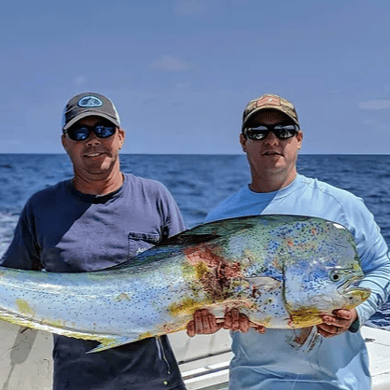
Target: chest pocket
pixel 140 242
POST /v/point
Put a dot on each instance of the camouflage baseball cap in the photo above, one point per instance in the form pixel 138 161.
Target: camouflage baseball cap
pixel 269 101
pixel 89 104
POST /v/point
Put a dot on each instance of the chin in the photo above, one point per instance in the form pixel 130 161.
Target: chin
pixel 98 168
pixel 274 163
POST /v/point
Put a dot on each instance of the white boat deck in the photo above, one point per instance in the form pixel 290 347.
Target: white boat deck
pixel 26 364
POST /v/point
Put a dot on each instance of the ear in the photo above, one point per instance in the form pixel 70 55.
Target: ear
pixel 299 139
pixel 121 135
pixel 64 141
pixel 243 141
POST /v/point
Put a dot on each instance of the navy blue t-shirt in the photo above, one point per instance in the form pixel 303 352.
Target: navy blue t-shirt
pixel 63 230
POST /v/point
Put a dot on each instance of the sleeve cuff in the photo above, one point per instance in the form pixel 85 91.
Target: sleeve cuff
pixel 355 326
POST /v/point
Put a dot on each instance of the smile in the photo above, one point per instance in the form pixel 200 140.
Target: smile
pixel 93 154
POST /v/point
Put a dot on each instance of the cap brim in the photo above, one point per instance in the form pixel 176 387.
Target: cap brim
pixel 270 107
pixel 90 113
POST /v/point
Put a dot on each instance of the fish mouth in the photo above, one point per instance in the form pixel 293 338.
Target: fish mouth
pixel 349 285
pixel 355 296
pixel 352 290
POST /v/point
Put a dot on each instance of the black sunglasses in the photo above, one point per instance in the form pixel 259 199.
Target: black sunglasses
pixel 83 132
pixel 262 131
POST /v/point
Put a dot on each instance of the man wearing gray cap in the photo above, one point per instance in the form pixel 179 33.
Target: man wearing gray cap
pixel 99 218
pixel 332 355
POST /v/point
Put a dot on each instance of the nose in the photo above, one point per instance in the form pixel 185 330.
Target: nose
pixel 271 139
pixel 93 139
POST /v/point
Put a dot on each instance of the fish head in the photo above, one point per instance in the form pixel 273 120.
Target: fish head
pixel 324 279
pixel 343 286
pixel 321 290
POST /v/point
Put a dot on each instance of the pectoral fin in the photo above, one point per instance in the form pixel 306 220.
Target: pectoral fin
pixel 265 283
pixel 112 343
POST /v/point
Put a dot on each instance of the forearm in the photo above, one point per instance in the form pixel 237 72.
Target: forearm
pixel 379 283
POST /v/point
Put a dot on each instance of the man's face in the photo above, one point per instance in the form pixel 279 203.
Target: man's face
pixel 94 156
pixel 272 155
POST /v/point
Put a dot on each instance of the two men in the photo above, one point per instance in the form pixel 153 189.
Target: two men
pixel 98 219
pixel 271 138
pixel 102 217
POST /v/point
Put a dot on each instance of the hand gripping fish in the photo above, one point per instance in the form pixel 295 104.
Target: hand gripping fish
pixel 281 271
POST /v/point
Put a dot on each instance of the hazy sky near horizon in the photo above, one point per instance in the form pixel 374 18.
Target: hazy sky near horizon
pixel 181 71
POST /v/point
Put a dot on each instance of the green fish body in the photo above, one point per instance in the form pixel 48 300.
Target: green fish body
pixel 281 271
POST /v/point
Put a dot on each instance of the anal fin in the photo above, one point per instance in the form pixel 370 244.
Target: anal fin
pixel 112 342
pixel 305 338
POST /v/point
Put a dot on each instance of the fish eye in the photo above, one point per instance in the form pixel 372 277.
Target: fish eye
pixel 334 275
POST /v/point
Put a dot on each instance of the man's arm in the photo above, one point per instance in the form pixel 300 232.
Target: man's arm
pixel 23 252
pixel 375 261
pixel 173 220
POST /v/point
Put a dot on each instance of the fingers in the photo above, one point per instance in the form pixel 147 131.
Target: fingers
pixel 244 323
pixel 339 322
pixel 232 320
pixel 329 330
pixel 191 329
pixel 204 322
pixel 236 321
pixel 345 314
pixel 341 315
pixel 259 328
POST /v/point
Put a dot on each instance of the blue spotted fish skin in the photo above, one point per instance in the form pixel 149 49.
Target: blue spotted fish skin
pixel 281 271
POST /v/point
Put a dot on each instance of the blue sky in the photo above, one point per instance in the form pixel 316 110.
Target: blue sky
pixel 181 71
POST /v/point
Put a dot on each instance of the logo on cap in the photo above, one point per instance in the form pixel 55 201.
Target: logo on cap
pixel 266 100
pixel 90 101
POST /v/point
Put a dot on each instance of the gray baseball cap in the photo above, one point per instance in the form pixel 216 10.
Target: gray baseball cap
pixel 89 104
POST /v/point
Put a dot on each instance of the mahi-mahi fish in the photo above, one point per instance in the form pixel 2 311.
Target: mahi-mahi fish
pixel 281 271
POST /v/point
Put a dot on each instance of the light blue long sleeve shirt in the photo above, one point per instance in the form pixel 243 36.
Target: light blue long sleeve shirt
pixel 273 360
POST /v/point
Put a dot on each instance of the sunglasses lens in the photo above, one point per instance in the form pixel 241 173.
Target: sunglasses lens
pixel 284 132
pixel 281 131
pixel 78 134
pixel 82 133
pixel 258 133
pixel 104 131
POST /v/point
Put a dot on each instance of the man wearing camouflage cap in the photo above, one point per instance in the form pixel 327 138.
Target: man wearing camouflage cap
pixel 332 355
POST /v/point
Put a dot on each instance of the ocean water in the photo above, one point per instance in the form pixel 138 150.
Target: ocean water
pixel 200 182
